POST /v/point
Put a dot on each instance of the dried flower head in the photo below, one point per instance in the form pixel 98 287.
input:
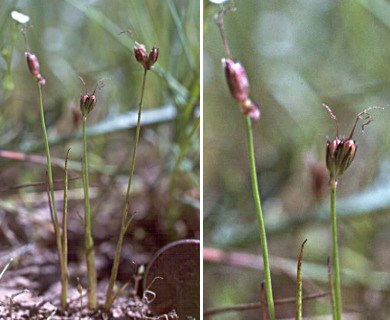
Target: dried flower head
pixel 33 63
pixel 238 84
pixel 153 56
pixel 340 152
pixel 140 53
pixel 143 58
pixel 87 101
pixel 339 156
pixel 237 79
pixel 33 66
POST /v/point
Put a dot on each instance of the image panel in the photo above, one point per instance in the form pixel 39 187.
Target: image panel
pixel 295 114
pixel 100 159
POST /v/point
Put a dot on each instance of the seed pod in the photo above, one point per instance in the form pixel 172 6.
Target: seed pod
pixel 238 84
pixel 33 66
pixel 140 53
pixel 143 58
pixel 341 152
pixel 87 103
pixel 339 156
pixel 33 63
pixel 153 56
pixel 237 80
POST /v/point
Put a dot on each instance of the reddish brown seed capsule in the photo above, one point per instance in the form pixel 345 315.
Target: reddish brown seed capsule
pixel 341 152
pixel 238 84
pixel 33 63
pixel 140 53
pixel 153 56
pixel 143 58
pixel 33 66
pixel 87 103
pixel 339 156
pixel 237 79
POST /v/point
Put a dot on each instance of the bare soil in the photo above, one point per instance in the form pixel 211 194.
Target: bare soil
pixel 30 287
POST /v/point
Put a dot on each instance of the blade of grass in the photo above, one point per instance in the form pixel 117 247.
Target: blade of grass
pixel 181 32
pixel 380 9
pixel 298 314
pixel 98 16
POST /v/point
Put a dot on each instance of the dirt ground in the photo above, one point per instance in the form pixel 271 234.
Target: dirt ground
pixel 30 287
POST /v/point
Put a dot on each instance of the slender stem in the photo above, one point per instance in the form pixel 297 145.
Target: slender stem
pixel 336 262
pixel 263 236
pixel 331 288
pixel 64 275
pixel 49 171
pixel 89 250
pixel 125 221
pixel 138 129
pixel 298 313
pixel 219 21
pixel 51 186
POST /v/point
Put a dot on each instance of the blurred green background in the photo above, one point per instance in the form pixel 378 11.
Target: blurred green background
pixel 298 55
pixel 75 38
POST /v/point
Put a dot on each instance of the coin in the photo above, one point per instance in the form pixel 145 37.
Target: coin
pixel 173 276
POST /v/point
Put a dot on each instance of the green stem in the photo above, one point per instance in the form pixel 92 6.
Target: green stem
pixel 51 185
pixel 89 250
pixel 64 275
pixel 331 289
pixel 263 236
pixel 298 313
pixel 336 262
pixel 125 221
